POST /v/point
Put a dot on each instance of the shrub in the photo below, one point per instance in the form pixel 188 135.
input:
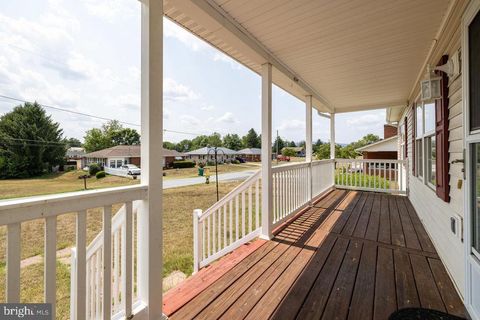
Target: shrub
pixel 288 152
pixel 100 174
pixel 201 165
pixel 210 163
pixel 236 161
pixel 93 168
pixel 183 164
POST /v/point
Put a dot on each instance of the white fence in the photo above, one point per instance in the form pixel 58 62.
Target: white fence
pixel 96 266
pixel 122 258
pixel 229 223
pixel 388 176
pixel 236 218
pixel 295 185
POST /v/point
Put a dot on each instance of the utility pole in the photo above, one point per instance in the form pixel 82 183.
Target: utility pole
pixel 276 143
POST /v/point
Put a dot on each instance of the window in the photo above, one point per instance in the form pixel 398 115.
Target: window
pixel 419 153
pixel 112 163
pixel 402 141
pixel 119 163
pixel 425 144
pixel 431 160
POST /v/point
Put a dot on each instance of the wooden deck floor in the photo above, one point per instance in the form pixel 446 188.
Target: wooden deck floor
pixel 354 255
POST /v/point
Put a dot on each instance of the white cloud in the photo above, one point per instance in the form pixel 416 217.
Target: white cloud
pixel 174 91
pixel 189 120
pixel 366 120
pixel 293 124
pixel 207 108
pixel 111 10
pixel 227 117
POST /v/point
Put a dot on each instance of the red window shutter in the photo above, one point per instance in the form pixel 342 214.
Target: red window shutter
pixel 441 135
pixel 414 128
pixel 405 127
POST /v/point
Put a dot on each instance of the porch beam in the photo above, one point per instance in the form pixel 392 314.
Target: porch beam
pixel 308 128
pixel 332 136
pixel 267 182
pixel 149 223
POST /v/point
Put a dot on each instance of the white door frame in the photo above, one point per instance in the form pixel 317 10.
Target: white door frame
pixel 472 263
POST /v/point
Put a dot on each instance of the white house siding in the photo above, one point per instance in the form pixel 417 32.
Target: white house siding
pixel 433 211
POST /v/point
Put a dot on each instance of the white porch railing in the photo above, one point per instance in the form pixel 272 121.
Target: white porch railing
pixel 295 185
pixel 236 218
pixel 388 176
pixel 96 266
pixel 229 223
pixel 94 261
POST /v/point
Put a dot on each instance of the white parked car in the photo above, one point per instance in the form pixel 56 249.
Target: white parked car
pixel 132 169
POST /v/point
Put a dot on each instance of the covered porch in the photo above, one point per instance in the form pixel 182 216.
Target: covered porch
pixel 351 254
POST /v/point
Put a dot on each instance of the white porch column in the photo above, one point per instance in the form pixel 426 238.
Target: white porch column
pixel 332 135
pixel 308 126
pixel 149 224
pixel 267 184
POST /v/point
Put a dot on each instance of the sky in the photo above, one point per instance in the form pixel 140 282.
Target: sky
pixel 84 56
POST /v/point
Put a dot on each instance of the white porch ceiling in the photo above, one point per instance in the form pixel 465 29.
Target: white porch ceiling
pixel 350 55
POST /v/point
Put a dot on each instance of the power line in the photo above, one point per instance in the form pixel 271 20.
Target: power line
pixel 66 110
pixel 91 115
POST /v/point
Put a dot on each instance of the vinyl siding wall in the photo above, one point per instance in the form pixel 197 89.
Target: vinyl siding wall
pixel 433 211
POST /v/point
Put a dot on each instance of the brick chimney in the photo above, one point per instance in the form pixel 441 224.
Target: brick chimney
pixel 389 131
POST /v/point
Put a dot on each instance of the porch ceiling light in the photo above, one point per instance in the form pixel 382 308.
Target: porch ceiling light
pixel 430 87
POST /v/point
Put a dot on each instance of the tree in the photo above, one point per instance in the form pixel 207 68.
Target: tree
pixel 111 134
pixel 125 136
pixel 31 143
pixel 232 141
pixel 73 142
pixel 214 140
pixel 184 146
pixel 251 139
pixel 169 145
pixel 291 144
pixel 288 152
pixel 278 143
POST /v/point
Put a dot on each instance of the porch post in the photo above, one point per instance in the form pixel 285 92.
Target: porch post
pixel 267 183
pixel 308 126
pixel 332 135
pixel 149 233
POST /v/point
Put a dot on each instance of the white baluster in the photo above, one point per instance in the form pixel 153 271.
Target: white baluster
pixel 50 261
pixel 81 281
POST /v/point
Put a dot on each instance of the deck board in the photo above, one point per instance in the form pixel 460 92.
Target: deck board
pixel 353 255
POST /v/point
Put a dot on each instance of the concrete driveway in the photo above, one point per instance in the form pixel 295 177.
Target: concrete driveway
pixel 231 176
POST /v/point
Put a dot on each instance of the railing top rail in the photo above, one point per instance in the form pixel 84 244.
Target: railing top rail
pixel 242 187
pixel 371 160
pixel 324 161
pixel 290 166
pixel 19 210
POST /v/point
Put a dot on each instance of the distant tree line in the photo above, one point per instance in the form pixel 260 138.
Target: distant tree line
pixel 31 143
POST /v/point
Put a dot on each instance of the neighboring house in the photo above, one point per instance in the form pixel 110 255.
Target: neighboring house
pixel 385 149
pixel 208 154
pixel 74 157
pixel 117 156
pixel 251 154
pixel 300 151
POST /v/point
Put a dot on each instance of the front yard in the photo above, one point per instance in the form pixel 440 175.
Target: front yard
pixel 179 204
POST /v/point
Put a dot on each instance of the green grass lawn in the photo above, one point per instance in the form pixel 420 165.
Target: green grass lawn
pixel 361 180
pixel 179 204
pixel 57 183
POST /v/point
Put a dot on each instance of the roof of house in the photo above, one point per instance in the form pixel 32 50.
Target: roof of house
pixel 205 150
pixel 127 151
pixel 389 144
pixel 251 151
pixel 296 149
pixel 73 152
